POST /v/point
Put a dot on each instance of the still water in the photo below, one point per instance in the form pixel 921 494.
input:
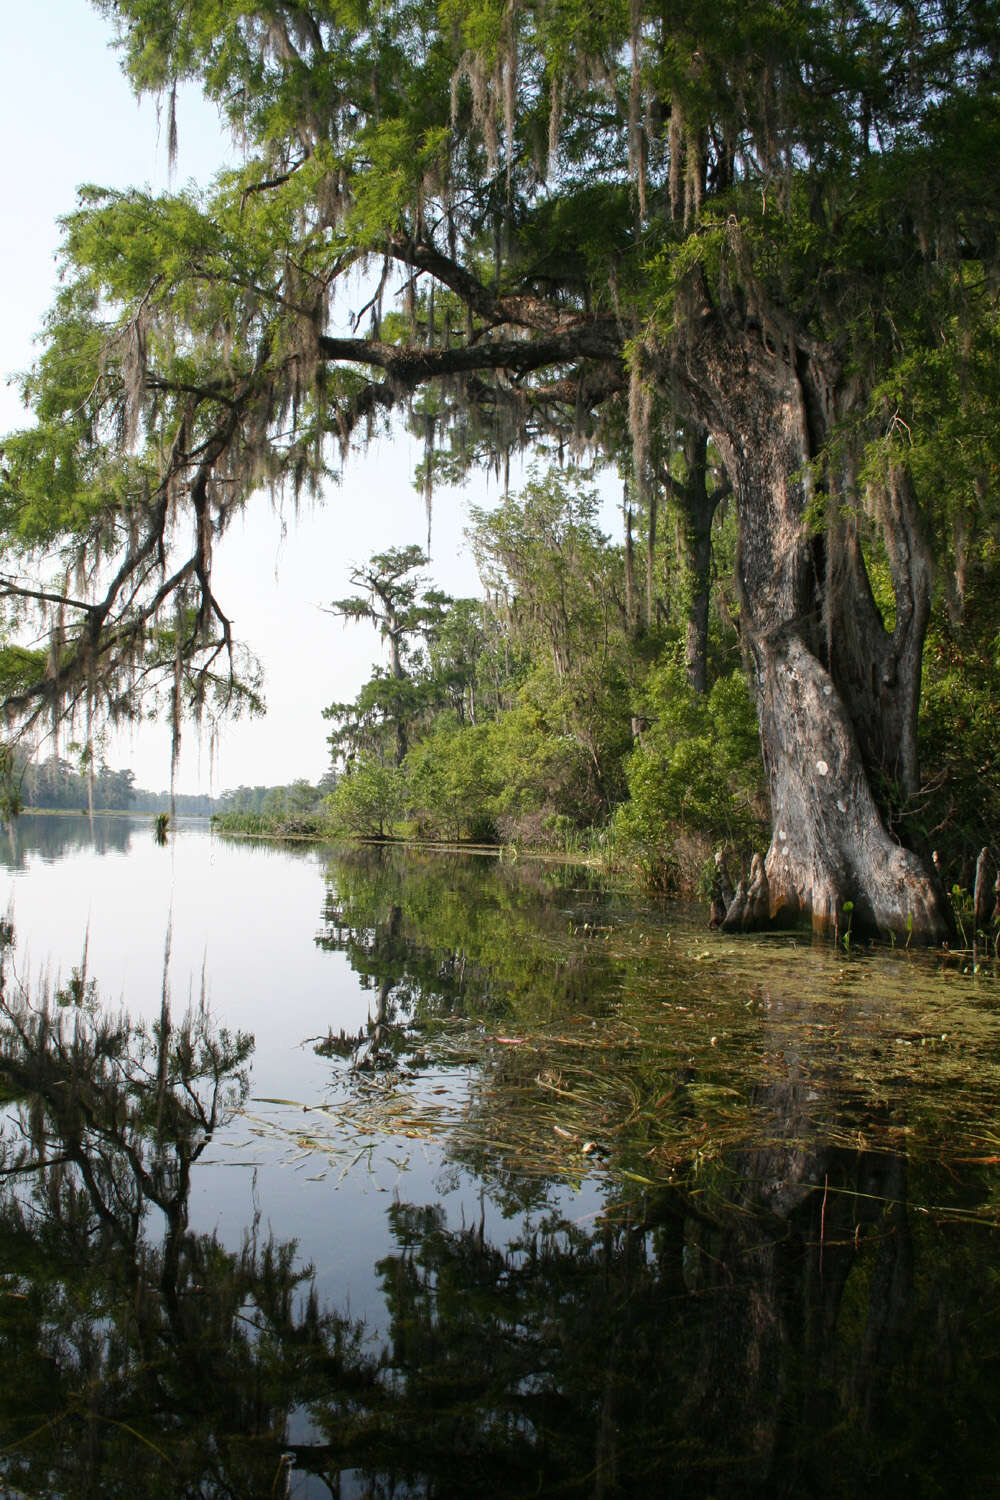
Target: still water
pixel 365 1173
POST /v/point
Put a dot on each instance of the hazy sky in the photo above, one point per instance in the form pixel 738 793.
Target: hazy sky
pixel 68 117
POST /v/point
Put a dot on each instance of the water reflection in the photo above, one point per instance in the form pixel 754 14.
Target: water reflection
pixel 449 937
pixel 784 1290
pixel 769 1314
pixel 132 1346
pixel 50 837
pixel 590 1034
pixel 712 1349
pixel 786 1325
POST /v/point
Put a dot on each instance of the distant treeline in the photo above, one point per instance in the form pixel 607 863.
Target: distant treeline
pixel 56 784
pixel 201 806
pixel 295 799
pixel 286 811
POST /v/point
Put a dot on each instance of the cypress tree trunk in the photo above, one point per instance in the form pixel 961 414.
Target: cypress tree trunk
pixel 836 692
pixel 697 510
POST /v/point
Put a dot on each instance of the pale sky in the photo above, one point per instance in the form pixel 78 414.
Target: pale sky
pixel 67 116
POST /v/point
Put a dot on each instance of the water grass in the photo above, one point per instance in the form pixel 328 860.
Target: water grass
pixel 688 1055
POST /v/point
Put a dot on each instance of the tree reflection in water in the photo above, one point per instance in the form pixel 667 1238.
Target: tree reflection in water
pixel 454 938
pixel 34 835
pixel 787 1318
pixel 139 1357
pixel 824 1349
pixel 778 1321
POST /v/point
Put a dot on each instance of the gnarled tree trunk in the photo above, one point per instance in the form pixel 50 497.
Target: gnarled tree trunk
pixel 697 505
pixel 837 693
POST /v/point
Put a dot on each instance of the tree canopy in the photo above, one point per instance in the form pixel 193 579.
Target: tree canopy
pixel 628 228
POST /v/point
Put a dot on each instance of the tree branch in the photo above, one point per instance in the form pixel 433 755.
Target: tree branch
pixel 518 308
pixel 9 587
pixel 408 365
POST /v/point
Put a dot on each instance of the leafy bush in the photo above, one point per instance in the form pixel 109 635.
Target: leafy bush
pixel 452 782
pixel 546 779
pixel 511 778
pixel 367 799
pixel 695 779
pixel 958 811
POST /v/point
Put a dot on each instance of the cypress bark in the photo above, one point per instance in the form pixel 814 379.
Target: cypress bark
pixel 697 508
pixel 836 692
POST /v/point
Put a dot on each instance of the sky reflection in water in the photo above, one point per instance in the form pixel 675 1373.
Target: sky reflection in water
pixel 622 1208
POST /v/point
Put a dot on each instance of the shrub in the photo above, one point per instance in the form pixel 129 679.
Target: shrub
pixel 452 783
pixel 542 775
pixel 367 799
pixel 695 780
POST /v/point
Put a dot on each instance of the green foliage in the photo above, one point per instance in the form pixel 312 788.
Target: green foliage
pixel 453 782
pixel 277 811
pixel 543 545
pixel 382 718
pixel 55 783
pixel 958 811
pixel 518 712
pixel 368 799
pixel 563 215
pixel 392 704
pixel 936 407
pixel 561 587
pixel 697 772
pixel 547 778
pixel 19 666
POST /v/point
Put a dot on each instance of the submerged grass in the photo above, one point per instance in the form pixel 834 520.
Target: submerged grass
pixel 689 1056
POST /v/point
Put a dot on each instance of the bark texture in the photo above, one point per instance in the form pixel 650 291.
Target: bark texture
pixel 837 692
pixel 696 504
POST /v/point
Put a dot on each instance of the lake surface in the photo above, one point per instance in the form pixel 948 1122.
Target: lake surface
pixel 373 1173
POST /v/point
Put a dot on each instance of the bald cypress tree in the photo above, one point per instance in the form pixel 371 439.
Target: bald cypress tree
pixel 773 227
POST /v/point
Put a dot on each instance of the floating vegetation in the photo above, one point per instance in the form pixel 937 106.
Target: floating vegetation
pixel 781 1260
pixel 666 1058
